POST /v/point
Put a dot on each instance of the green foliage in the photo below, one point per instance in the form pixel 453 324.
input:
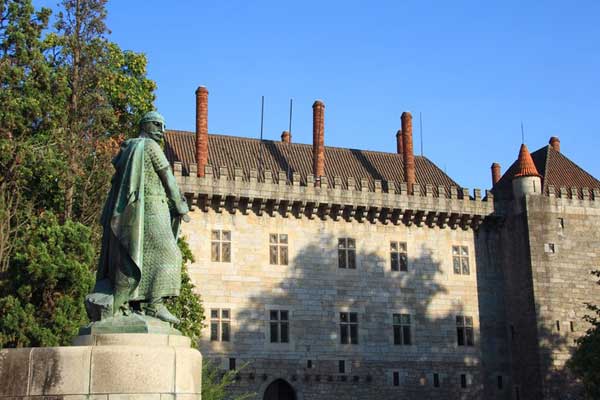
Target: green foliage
pixel 69 96
pixel 188 306
pixel 46 283
pixel 585 362
pixel 216 382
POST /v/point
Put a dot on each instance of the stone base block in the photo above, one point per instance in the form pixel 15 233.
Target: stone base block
pixel 107 367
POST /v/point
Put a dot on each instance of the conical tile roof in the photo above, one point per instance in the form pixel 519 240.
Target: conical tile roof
pixel 525 163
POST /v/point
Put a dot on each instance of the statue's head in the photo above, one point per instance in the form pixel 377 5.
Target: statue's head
pixel 153 126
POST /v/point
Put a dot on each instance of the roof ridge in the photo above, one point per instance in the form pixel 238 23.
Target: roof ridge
pixel 546 163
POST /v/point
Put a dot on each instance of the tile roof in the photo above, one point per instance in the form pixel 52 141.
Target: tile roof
pixel 526 167
pixel 555 168
pixel 239 152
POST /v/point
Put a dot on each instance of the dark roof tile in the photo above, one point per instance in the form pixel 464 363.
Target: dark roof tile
pixel 244 153
pixel 555 168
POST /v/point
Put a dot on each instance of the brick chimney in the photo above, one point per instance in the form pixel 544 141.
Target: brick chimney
pixel 407 149
pixel 496 173
pixel 286 137
pixel 399 139
pixel 318 139
pixel 201 129
pixel 555 143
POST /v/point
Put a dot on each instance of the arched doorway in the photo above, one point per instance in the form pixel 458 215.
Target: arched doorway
pixel 279 390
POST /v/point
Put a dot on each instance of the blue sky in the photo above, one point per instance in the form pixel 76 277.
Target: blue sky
pixel 474 70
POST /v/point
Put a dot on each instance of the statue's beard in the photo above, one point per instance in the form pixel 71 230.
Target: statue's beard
pixel 158 137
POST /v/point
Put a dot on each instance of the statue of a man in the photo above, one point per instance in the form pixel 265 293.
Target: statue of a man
pixel 140 263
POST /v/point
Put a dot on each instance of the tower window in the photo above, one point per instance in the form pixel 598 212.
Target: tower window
pixel 220 246
pixel 396 378
pixel 464 330
pixel 398 256
pixel 347 253
pixel 279 326
pixel 220 320
pixel 278 249
pixel 460 260
pixel 348 328
pixel 402 331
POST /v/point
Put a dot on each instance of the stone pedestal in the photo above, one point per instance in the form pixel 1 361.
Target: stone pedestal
pixel 104 367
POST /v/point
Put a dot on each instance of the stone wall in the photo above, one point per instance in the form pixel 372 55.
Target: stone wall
pixel 315 290
pixel 563 235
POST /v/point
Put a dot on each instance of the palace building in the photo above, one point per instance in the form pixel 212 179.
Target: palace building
pixel 335 273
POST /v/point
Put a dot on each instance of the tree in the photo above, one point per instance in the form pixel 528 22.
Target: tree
pixel 30 109
pixel 67 100
pixel 585 362
pixel 215 383
pixel 41 302
pixel 188 306
pixel 108 93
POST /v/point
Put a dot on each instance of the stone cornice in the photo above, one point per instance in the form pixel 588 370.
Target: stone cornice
pixel 386 204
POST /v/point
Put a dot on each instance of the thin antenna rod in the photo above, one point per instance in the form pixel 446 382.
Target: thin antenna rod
pixel 421 128
pixel 522 134
pixel 290 149
pixel 262 113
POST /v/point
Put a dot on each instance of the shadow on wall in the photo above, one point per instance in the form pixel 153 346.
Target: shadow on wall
pixel 555 348
pixel 315 291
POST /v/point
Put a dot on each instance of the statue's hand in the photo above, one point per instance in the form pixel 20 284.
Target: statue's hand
pixel 185 218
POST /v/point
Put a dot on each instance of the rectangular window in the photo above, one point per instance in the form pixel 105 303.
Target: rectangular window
pixel 220 246
pixel 398 256
pixel 549 248
pixel 460 260
pixel 342 366
pixel 278 249
pixel 464 330
pixel 220 321
pixel 279 326
pixel 561 223
pixel 463 381
pixel 396 377
pixel 232 364
pixel 500 383
pixel 309 364
pixel 572 326
pixel 402 331
pixel 436 380
pixel 348 328
pixel 557 325
pixel 347 253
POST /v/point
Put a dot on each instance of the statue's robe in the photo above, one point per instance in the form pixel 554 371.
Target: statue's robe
pixel 139 260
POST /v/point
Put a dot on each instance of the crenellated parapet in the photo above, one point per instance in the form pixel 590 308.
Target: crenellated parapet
pixel 386 202
pixel 576 194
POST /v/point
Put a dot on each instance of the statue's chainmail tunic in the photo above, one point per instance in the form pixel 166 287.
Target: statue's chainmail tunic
pixel 161 270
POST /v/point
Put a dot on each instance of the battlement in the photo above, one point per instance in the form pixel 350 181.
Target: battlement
pixel 574 193
pixel 385 203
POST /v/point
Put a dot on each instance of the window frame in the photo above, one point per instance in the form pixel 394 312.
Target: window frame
pixel 279 323
pixel 279 248
pixel 461 264
pixel 398 256
pixel 349 325
pixel 465 331
pixel 346 253
pixel 218 322
pixel 220 239
pixel 402 329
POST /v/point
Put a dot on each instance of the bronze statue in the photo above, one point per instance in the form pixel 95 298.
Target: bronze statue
pixel 140 263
